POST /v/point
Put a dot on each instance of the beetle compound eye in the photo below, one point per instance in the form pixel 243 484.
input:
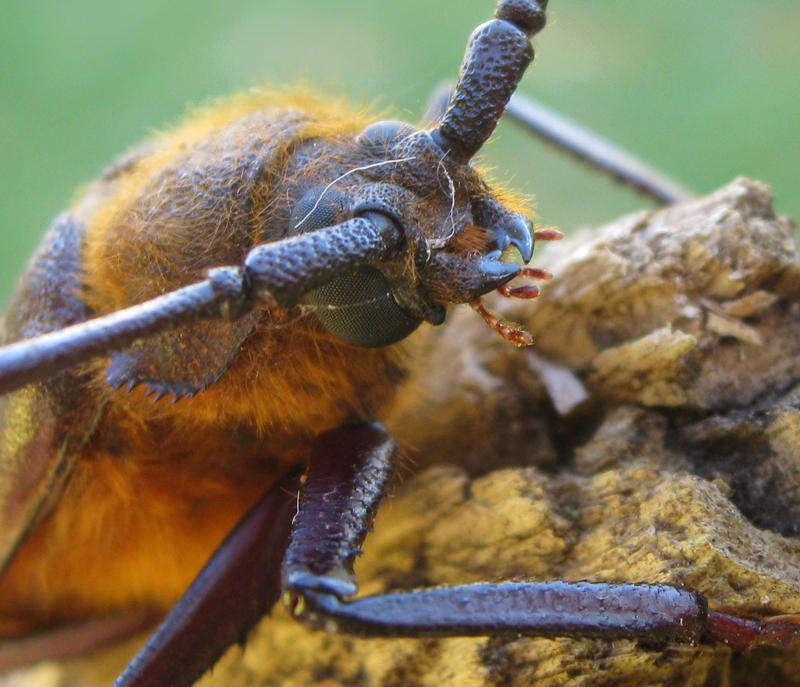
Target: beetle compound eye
pixel 384 134
pixel 358 308
pixel 319 207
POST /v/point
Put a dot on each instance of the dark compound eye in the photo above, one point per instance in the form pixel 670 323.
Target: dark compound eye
pixel 384 134
pixel 358 308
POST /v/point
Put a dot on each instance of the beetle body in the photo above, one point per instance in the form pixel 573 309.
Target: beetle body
pixel 156 486
pixel 265 265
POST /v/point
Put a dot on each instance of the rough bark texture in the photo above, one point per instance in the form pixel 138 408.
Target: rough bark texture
pixel 651 434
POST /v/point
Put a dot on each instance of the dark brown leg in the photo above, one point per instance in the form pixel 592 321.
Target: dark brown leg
pixel 349 471
pixel 344 484
pixel 586 146
pixel 237 587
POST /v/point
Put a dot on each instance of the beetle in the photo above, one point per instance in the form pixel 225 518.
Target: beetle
pixel 262 265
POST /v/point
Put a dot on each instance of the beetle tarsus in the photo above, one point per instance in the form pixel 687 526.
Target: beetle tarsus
pixel 526 292
pixel 549 234
pixel 510 332
pixel 536 273
pixel 743 634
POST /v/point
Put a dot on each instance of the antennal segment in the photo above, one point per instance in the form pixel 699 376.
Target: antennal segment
pixel 277 273
pixel 498 53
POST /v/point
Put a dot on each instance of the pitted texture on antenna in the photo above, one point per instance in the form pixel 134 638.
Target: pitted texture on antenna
pixel 527 15
pixel 286 270
pixel 498 53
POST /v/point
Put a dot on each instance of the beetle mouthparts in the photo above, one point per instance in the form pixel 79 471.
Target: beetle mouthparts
pixel 516 231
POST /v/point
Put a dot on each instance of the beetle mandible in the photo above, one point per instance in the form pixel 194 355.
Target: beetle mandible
pixel 263 264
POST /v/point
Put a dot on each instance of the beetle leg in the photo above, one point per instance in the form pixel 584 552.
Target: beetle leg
pixel 526 292
pixel 510 332
pixel 234 590
pixel 349 470
pixel 346 480
pixel 781 631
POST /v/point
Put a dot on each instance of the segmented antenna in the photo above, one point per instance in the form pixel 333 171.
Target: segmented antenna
pixel 276 274
pixel 498 53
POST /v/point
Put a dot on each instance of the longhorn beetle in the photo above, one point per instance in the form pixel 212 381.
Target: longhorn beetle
pixel 263 264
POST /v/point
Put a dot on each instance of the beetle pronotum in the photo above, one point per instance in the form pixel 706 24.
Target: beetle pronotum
pixel 264 263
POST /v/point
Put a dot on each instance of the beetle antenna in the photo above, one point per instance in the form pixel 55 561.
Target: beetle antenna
pixel 594 150
pixel 583 144
pixel 498 53
pixel 275 274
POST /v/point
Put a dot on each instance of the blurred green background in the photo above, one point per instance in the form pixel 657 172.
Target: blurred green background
pixel 704 90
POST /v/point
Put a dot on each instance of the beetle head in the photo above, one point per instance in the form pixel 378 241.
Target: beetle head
pixel 457 233
pixel 461 241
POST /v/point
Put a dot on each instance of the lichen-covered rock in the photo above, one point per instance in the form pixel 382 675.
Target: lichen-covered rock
pixel 652 434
